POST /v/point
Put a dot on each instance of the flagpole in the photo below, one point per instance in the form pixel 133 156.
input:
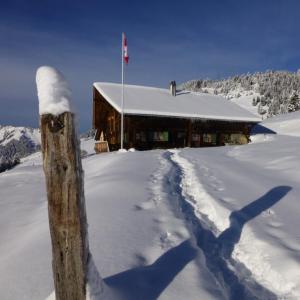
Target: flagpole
pixel 122 109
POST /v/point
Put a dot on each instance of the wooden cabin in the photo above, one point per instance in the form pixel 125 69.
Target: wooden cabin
pixel 157 118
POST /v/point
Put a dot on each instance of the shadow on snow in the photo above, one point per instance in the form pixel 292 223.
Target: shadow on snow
pixel 218 250
pixel 260 129
pixel 239 218
pixel 148 282
pixel 233 277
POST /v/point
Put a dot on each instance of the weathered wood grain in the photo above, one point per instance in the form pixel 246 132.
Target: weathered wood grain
pixel 66 205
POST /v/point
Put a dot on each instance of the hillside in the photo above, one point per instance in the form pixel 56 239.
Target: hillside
pixel 15 143
pixel 264 93
pixel 209 223
pixel 287 124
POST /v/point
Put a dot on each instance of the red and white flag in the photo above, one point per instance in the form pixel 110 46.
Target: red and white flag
pixel 125 49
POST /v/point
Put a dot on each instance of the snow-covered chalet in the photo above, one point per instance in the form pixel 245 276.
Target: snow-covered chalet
pixel 160 118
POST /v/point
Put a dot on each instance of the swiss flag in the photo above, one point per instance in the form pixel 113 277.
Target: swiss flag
pixel 125 49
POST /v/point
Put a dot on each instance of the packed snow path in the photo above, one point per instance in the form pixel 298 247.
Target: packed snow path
pixel 247 213
pixel 233 277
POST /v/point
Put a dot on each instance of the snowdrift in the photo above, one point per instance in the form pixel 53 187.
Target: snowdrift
pixel 210 223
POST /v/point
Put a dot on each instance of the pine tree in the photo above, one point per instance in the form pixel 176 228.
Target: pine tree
pixel 294 103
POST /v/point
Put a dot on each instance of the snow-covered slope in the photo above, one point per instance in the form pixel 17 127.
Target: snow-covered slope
pixel 240 96
pixel 210 223
pixel 249 196
pixel 287 124
pixel 139 245
pixel 15 143
pixel 263 93
pixel 18 140
pixel 245 101
pixel 11 133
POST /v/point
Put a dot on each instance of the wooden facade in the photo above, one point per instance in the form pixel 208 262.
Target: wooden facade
pixel 150 132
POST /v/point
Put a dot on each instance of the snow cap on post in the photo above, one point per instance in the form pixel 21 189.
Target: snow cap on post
pixel 53 91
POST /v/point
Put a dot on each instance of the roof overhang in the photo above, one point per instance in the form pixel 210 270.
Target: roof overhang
pixel 196 116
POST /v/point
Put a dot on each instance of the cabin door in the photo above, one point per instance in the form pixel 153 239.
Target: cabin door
pixel 180 139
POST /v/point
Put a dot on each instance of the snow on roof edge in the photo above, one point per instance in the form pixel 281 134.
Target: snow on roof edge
pixel 131 85
pixel 97 86
pixel 188 116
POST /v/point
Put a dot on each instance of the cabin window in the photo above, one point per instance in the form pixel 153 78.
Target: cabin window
pixel 238 139
pixel 226 138
pixel 196 140
pixel 141 136
pixel 181 135
pixel 234 139
pixel 196 137
pixel 210 138
pixel 159 136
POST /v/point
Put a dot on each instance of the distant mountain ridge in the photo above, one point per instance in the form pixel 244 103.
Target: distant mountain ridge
pixel 266 94
pixel 15 143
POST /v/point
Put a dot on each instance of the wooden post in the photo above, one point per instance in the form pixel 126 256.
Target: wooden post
pixel 66 205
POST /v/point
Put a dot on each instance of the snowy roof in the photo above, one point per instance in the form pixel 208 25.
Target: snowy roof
pixel 142 100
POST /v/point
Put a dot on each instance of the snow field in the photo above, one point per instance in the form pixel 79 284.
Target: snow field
pixel 213 223
pixel 268 245
pixel 287 124
pixel 25 260
pixel 139 252
pixel 257 248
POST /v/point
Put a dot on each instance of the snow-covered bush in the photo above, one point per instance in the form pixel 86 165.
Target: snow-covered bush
pixel 294 103
pixel 8 163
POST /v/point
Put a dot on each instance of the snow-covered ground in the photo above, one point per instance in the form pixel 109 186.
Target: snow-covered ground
pixel 287 124
pixel 210 223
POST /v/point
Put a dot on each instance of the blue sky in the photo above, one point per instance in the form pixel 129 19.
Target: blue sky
pixel 167 40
